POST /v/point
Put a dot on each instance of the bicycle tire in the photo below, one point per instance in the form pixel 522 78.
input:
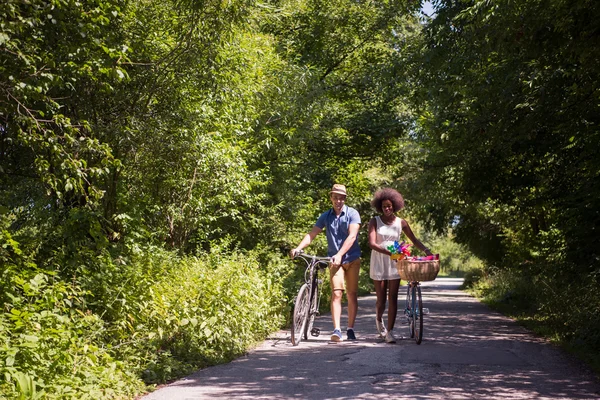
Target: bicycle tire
pixel 299 316
pixel 408 311
pixel 418 315
pixel 313 310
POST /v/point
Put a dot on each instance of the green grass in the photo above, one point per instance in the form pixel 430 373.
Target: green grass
pixel 452 274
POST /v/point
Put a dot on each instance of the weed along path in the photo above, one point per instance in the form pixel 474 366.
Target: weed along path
pixel 468 352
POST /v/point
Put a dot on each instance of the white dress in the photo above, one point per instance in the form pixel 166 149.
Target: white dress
pixel 382 266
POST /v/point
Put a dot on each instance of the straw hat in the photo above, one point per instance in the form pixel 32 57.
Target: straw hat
pixel 339 189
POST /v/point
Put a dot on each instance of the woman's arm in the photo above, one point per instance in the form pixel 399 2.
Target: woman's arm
pixel 409 233
pixel 373 238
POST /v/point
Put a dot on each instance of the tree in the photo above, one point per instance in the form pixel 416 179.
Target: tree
pixel 509 124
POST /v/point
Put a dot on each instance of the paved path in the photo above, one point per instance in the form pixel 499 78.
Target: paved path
pixel 468 352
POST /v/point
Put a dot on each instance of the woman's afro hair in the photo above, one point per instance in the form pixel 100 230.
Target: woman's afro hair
pixel 387 194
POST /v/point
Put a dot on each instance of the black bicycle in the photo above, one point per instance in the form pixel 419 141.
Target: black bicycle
pixel 306 307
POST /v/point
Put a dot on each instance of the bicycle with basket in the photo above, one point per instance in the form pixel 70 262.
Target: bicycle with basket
pixel 415 270
pixel 306 307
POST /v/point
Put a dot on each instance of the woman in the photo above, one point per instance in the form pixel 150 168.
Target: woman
pixel 384 230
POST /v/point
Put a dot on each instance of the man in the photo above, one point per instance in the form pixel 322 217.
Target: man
pixel 341 224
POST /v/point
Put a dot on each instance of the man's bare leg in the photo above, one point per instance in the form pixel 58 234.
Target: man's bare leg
pixel 336 308
pixel 352 307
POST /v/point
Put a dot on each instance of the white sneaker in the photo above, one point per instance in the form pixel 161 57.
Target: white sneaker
pixel 381 328
pixel 389 337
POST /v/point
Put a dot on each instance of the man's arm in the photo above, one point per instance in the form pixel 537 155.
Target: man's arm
pixel 308 238
pixel 352 234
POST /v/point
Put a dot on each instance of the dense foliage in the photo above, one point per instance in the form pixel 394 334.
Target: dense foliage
pixel 157 160
pixel 509 115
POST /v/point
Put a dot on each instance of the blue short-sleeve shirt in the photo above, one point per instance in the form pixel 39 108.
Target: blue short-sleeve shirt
pixel 336 229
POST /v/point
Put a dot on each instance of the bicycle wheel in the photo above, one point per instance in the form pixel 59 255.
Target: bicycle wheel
pixel 300 314
pixel 312 311
pixel 408 311
pixel 418 315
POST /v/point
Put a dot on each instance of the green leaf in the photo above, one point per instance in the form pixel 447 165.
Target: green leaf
pixel 9 361
pixel 30 338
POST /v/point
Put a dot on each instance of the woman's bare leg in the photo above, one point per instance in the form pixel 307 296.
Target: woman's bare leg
pixel 394 285
pixel 381 291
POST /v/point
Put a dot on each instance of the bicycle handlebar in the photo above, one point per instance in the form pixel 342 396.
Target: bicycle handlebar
pixel 310 257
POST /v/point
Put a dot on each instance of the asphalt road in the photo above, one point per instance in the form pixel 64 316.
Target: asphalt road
pixel 468 352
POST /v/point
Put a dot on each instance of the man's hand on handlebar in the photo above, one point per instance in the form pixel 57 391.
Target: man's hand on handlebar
pixel 294 252
pixel 336 260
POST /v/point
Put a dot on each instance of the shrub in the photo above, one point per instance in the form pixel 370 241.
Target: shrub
pixel 199 311
pixel 50 348
pixel 151 316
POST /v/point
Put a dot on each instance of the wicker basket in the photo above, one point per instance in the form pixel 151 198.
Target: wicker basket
pixel 421 271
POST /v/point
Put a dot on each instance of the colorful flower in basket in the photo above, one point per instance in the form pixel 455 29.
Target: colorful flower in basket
pixel 399 250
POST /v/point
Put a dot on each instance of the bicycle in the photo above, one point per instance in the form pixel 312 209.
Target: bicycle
pixel 306 307
pixel 415 271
